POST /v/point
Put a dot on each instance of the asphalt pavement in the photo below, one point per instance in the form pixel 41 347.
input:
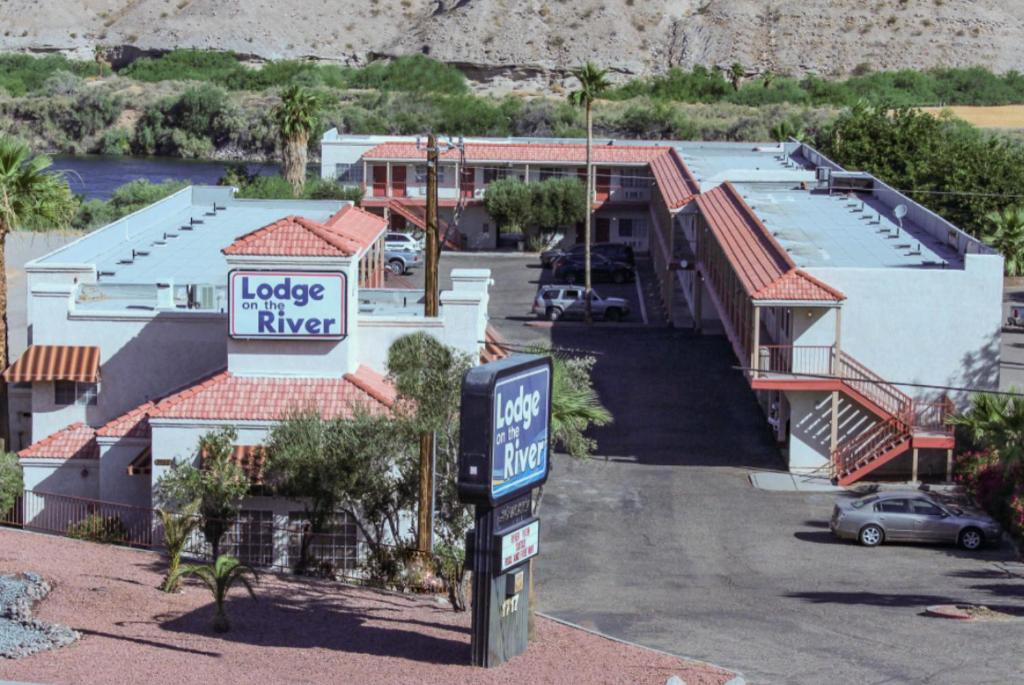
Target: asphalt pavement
pixel 661 540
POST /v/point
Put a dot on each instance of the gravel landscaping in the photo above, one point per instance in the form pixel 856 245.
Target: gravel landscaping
pixel 20 634
pixel 299 631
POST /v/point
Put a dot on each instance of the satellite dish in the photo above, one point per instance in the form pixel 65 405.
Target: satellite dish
pixel 900 212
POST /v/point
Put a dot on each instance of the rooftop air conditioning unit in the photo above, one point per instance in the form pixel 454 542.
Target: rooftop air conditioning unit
pixel 850 181
pixel 206 296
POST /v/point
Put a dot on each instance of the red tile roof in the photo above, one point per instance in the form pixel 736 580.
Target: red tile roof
pixel 132 424
pixel 76 441
pixel 494 348
pixel 677 184
pixel 55 363
pixel 763 266
pixel 227 397
pixel 345 234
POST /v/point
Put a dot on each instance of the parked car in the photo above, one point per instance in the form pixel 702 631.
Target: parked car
pixel 557 301
pixel 400 261
pixel 571 270
pixel 910 516
pixel 402 241
pixel 615 251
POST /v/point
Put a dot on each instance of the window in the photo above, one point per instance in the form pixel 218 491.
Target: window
pixel 250 538
pixel 485 228
pixel 66 393
pixel 548 172
pixel 571 295
pixel 348 173
pixel 421 174
pixel 625 228
pixel 892 506
pixel 631 177
pixel 919 506
pixel 336 546
pixel 549 294
pixel 491 174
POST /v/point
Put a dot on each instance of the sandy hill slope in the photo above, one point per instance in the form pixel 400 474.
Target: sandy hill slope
pixel 526 43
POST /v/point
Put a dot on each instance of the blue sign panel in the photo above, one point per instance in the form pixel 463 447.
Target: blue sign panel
pixel 520 430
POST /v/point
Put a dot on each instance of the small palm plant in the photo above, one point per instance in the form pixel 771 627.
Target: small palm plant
pixel 224 573
pixel 178 528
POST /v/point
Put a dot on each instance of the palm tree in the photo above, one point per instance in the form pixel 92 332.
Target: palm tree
pixel 29 195
pixel 736 74
pixel 296 117
pixel 575 405
pixel 593 82
pixel 219 578
pixel 786 129
pixel 178 528
pixel 996 421
pixel 1005 231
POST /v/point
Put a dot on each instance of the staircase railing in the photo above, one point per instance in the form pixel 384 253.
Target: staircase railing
pixel 872 386
pixel 870 444
pixel 931 417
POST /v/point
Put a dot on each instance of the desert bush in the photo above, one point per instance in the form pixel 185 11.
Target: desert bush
pixel 22 74
pixel 116 141
pixel 98 528
pixel 63 83
pixel 190 125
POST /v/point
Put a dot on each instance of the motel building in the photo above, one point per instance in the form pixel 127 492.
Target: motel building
pixel 842 298
pixel 634 185
pixel 202 311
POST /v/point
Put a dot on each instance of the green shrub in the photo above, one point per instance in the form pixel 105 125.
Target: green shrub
pixel 21 74
pixel 11 483
pixel 185 65
pixel 116 141
pixel 191 125
pixel 130 197
pixel 63 83
pixel 414 73
pixel 99 528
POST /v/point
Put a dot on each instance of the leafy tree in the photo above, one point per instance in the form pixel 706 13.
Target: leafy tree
pixel 510 202
pixel 593 83
pixel 178 528
pixel 126 199
pixel 557 202
pixel 303 461
pixel 30 196
pixel 220 578
pixel 1005 231
pixel 218 484
pixel 428 378
pixel 11 482
pixel 296 117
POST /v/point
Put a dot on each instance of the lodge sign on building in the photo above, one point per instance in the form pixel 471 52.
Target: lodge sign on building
pixel 287 305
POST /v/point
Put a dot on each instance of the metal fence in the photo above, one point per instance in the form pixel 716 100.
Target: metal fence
pixel 256 537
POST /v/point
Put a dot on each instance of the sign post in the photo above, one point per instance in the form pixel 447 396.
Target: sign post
pixel 503 456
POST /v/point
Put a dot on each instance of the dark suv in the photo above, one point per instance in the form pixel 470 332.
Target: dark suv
pixel 617 252
pixel 572 269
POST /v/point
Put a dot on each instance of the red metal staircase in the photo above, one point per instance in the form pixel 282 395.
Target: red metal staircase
pixel 902 423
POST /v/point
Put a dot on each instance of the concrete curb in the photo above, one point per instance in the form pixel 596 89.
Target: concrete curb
pixel 737 679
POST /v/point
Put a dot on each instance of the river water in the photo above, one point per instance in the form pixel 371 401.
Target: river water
pixel 96 176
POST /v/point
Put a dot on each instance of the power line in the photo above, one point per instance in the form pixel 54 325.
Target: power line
pixel 524 347
pixel 906 384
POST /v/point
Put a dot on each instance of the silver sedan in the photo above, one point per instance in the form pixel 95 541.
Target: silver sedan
pixel 910 517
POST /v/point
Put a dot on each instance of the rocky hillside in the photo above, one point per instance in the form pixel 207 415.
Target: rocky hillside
pixel 528 44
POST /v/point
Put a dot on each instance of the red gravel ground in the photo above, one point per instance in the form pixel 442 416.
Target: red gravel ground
pixel 299 631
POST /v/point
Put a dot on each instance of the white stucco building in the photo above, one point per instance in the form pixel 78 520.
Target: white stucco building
pixel 851 308
pixel 135 352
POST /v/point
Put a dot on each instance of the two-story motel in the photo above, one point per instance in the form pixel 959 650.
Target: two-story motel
pixel 850 307
pixel 201 311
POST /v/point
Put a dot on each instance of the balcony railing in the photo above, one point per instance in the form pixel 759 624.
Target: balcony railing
pixel 812 360
pixel 933 417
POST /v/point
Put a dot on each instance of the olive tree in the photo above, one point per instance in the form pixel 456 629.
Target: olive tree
pixel 218 484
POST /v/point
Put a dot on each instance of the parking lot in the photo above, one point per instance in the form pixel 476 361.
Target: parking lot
pixel 662 540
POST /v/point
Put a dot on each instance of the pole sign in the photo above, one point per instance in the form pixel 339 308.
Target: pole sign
pixel 503 457
pixel 287 305
pixel 506 412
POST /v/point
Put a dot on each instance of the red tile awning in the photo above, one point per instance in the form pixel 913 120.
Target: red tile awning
pixel 56 363
pixel 141 464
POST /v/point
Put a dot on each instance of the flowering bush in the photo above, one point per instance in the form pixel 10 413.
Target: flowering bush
pixel 998 488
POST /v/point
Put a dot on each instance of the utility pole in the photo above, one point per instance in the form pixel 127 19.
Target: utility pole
pixel 424 529
pixel 431 308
